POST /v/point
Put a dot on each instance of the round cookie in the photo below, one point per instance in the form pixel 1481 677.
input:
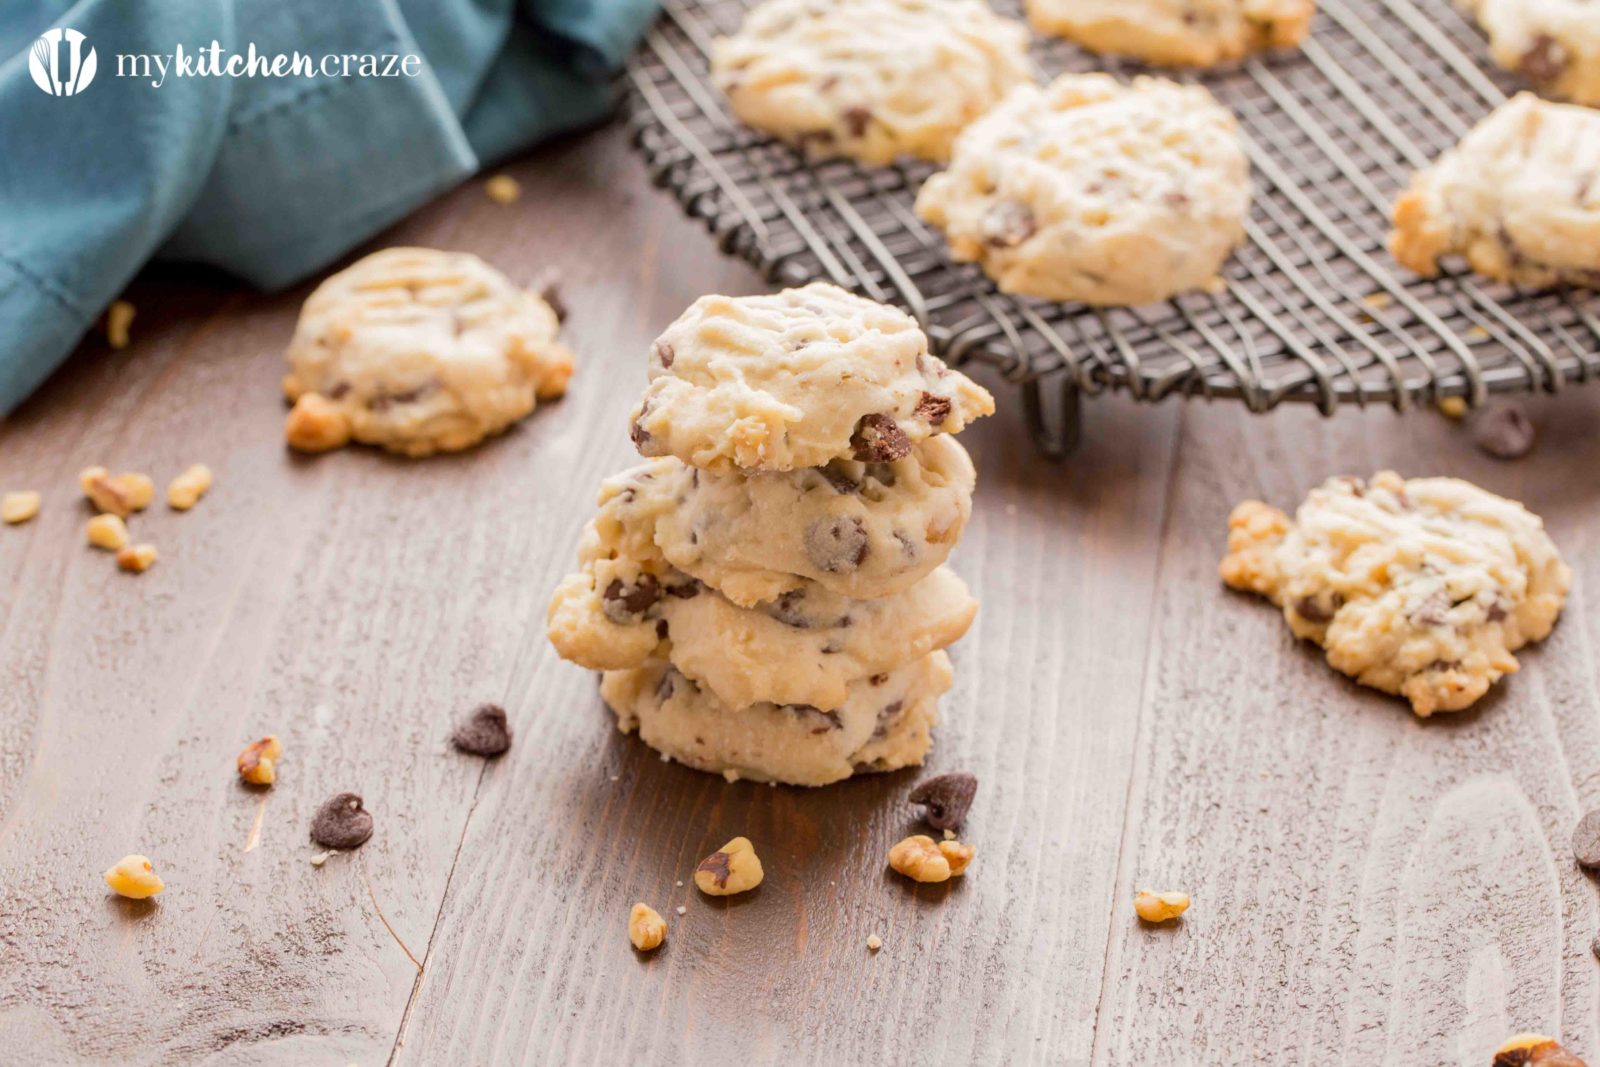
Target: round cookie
pixel 795 379
pixel 1553 43
pixel 1518 198
pixel 860 530
pixel 803 648
pixel 1179 33
pixel 871 79
pixel 1094 191
pixel 1421 587
pixel 419 351
pixel 884 724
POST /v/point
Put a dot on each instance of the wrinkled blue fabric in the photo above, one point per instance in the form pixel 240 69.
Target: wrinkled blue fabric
pixel 268 178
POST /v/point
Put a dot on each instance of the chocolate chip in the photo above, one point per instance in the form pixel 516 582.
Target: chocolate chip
pixel 625 604
pixel 385 401
pixel 932 409
pixel 840 480
pixel 1310 610
pixel 663 354
pixel 879 439
pixel 1544 61
pixel 856 120
pixel 947 799
pixel 341 822
pixel 1008 224
pixel 483 733
pixel 1504 431
pixel 837 544
pixel 824 721
pixel 789 609
pixel 1496 612
pixel 1586 840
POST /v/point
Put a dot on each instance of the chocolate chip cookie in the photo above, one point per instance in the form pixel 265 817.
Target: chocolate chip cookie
pixel 871 79
pixel 419 351
pixel 883 724
pixel 1179 33
pixel 860 530
pixel 797 379
pixel 1553 43
pixel 1090 190
pixel 1518 198
pixel 1421 587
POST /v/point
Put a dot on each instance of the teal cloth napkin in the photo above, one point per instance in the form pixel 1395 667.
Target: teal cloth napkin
pixel 268 178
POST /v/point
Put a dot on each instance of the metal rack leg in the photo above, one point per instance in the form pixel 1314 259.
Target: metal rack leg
pixel 1056 427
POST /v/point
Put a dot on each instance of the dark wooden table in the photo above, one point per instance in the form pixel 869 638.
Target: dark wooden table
pixel 1368 888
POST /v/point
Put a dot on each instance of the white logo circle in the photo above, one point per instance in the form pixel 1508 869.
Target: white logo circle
pixel 62 62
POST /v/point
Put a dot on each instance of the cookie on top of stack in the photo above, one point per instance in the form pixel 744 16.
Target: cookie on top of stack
pixel 767 595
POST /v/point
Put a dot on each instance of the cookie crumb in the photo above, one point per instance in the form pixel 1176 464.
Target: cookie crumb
pixel 19 506
pixel 679 883
pixel 259 761
pixel 1453 407
pixel 503 189
pixel 646 928
pixel 134 877
pixel 874 943
pixel 185 491
pixel 107 532
pixel 119 321
pixel 1154 907
pixel 136 559
pixel 322 857
pixel 681 909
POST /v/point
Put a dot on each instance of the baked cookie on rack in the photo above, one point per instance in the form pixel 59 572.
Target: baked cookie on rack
pixel 870 79
pixel 1553 43
pixel 1087 189
pixel 1421 587
pixel 885 723
pixel 419 351
pixel 1178 33
pixel 796 379
pixel 860 530
pixel 1518 198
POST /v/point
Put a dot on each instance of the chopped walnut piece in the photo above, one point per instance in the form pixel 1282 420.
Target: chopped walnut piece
pixel 646 928
pixel 258 762
pixel 136 558
pixel 919 858
pixel 19 506
pixel 503 189
pixel 1534 1050
pixel 121 495
pixel 107 532
pixel 1154 907
pixel 733 868
pixel 185 491
pixel 958 855
pixel 134 877
pixel 119 320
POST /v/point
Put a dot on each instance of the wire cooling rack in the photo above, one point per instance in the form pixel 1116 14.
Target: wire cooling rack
pixel 1314 309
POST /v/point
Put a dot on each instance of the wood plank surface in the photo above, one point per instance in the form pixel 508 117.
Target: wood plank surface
pixel 1368 888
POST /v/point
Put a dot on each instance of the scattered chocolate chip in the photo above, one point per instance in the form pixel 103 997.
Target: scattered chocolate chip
pixel 1586 840
pixel 932 409
pixel 663 353
pixel 837 544
pixel 879 439
pixel 856 120
pixel 1544 61
pixel 947 799
pixel 625 604
pixel 1504 431
pixel 1008 224
pixel 483 733
pixel 341 822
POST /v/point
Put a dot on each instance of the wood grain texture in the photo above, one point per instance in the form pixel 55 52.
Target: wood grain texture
pixel 1368 888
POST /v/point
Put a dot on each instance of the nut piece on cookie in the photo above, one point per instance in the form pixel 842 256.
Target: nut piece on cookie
pixel 870 79
pixel 419 351
pixel 646 928
pixel 1176 33
pixel 1421 587
pixel 1154 907
pixel 797 379
pixel 1518 199
pixel 1090 190
pixel 733 868
pixel 1534 1050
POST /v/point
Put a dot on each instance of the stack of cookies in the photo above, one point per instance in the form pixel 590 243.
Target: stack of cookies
pixel 767 596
